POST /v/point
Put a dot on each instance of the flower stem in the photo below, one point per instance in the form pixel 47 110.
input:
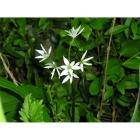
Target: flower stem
pixel 70 49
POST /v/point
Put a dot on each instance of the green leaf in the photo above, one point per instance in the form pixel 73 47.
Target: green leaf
pixel 130 48
pixel 94 87
pixel 32 110
pixel 32 33
pixel 87 31
pixel 134 27
pixel 90 117
pixel 132 63
pixel 109 92
pixel 130 85
pixel 114 66
pixel 136 110
pixel 19 54
pixel 9 101
pixel 21 21
pixel 123 101
pixel 128 23
pixel 121 87
pixel 96 24
pixel 117 29
pixel 2 116
pixel 11 86
pixel 42 21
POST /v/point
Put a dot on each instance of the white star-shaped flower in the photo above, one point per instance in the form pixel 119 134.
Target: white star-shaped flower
pixel 54 66
pixel 84 61
pixel 69 67
pixel 44 54
pixel 74 32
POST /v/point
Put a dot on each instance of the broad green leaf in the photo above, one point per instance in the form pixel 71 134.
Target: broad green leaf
pixel 132 64
pixel 33 33
pixel 90 76
pixel 21 21
pixel 128 23
pixel 87 31
pixel 130 48
pixel 22 31
pixel 130 85
pixel 94 87
pixel 2 116
pixel 36 91
pixel 10 49
pixel 42 21
pixel 96 24
pixel 136 110
pixel 114 66
pixel 123 101
pixel 121 87
pixel 134 27
pixel 109 92
pixel 9 101
pixel 90 117
pixel 130 77
pixel 117 29
pixel 11 86
pixel 85 20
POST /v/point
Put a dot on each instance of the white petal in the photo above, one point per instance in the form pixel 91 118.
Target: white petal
pixel 58 73
pixel 84 55
pixel 43 48
pixel 66 79
pixel 64 72
pixel 49 51
pixel 39 57
pixel 40 52
pixel 48 67
pixel 72 63
pixel 81 31
pixel 66 61
pixel 87 64
pixel 74 75
pixel 87 59
pixel 63 67
pixel 71 79
pixel 42 60
pixel 75 67
pixel 52 73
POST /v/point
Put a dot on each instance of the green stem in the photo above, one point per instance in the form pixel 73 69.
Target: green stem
pixel 132 56
pixel 70 49
pixel 73 102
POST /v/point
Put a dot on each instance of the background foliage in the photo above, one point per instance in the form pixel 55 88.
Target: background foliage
pixel 28 94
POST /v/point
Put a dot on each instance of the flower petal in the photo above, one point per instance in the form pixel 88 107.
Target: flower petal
pixel 65 79
pixel 43 48
pixel 40 52
pixel 66 61
pixel 87 59
pixel 49 51
pixel 84 55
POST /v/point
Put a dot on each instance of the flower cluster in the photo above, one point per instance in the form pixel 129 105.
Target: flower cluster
pixel 69 67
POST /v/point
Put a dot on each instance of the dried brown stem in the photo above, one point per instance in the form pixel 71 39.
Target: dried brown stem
pixel 7 69
pixel 106 67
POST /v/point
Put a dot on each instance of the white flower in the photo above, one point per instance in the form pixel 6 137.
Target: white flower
pixel 44 54
pixel 69 67
pixel 54 66
pixel 69 76
pixel 84 61
pixel 74 32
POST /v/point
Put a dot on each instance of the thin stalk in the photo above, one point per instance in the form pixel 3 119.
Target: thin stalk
pixel 70 49
pixel 106 67
pixel 73 102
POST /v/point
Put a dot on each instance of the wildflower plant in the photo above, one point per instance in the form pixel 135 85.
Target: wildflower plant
pixel 70 67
